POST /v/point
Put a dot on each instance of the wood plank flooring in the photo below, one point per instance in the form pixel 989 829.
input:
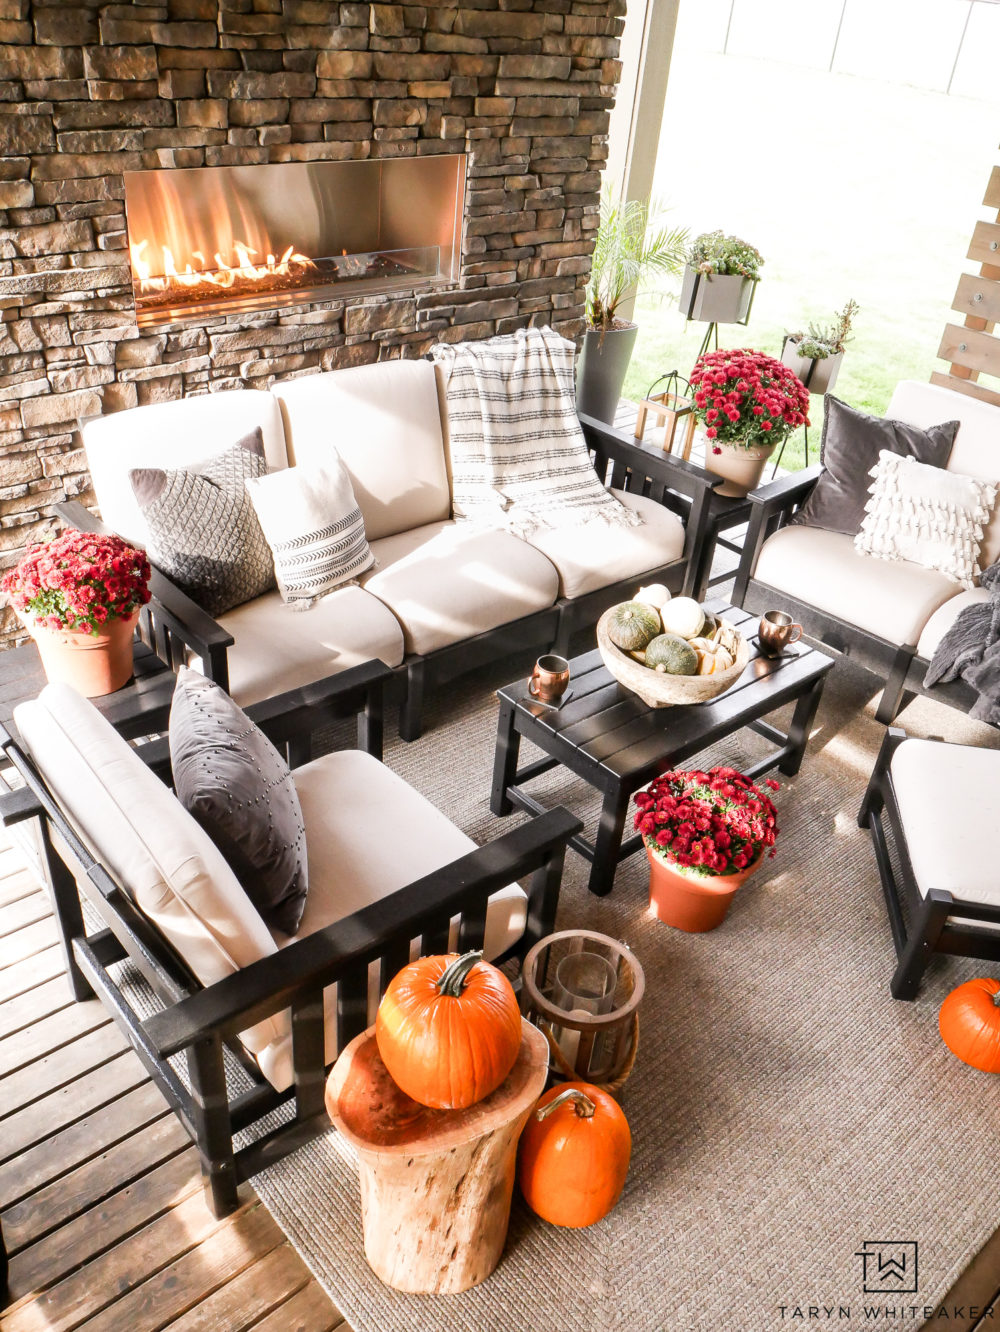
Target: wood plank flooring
pixel 100 1195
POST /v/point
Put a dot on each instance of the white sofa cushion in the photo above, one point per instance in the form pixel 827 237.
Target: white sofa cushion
pixel 350 866
pixel 976 451
pixel 446 582
pixel 947 796
pixel 944 617
pixel 278 648
pixel 135 825
pixel 384 422
pixel 596 554
pixel 891 600
pixel 171 435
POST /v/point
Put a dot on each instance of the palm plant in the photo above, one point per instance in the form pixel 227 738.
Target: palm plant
pixel 634 244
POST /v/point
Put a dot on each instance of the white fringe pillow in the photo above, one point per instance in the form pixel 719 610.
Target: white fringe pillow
pixel 926 515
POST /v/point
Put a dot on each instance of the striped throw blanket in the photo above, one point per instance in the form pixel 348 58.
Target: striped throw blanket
pixel 519 459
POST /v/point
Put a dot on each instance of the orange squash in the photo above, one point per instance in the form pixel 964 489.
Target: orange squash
pixel 448 1030
pixel 969 1023
pixel 573 1155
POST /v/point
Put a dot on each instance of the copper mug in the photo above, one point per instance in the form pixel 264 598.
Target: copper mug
pixel 776 631
pixel 549 678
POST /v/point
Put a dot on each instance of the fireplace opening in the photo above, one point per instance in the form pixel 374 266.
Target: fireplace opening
pixel 214 240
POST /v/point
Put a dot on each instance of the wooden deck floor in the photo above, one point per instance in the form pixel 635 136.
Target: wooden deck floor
pixel 100 1196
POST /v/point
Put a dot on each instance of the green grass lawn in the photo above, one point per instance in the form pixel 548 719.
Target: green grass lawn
pixel 877 202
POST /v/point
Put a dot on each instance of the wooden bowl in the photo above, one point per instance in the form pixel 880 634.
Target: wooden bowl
pixel 657 689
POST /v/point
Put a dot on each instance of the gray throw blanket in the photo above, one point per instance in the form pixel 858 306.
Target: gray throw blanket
pixel 970 650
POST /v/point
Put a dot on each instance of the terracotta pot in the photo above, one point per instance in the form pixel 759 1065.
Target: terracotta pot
pixel 94 664
pixel 692 902
pixel 742 467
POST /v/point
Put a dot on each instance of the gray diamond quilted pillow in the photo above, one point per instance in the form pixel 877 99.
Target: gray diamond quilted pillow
pixel 203 532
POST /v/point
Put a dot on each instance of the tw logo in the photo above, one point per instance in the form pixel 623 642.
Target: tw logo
pixel 890 1266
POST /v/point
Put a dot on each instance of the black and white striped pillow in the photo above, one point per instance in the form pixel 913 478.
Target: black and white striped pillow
pixel 314 527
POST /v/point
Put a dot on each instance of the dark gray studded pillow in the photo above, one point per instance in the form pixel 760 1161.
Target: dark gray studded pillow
pixel 203 532
pixel 230 777
pixel 851 444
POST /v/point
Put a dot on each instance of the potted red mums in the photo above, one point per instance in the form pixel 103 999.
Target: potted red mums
pixel 705 833
pixel 748 403
pixel 79 597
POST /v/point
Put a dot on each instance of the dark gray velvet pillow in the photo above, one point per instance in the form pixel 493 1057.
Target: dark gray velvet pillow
pixel 851 443
pixel 203 531
pixel 237 786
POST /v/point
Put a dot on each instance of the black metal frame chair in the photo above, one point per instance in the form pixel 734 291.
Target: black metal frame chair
pixel 921 924
pixel 898 664
pixel 174 626
pixel 199 1022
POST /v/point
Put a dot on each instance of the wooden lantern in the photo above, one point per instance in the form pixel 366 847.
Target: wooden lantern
pixel 667 408
pixel 597 1048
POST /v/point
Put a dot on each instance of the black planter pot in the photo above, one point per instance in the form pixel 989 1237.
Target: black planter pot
pixel 601 369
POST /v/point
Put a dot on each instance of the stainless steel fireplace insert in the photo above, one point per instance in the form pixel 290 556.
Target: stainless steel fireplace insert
pixel 215 240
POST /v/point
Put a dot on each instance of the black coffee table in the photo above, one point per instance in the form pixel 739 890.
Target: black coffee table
pixel 617 743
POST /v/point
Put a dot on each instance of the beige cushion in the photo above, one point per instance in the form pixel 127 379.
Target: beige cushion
pixel 976 451
pixel 596 554
pixel 892 600
pixel 944 617
pixel 948 797
pixel 384 422
pixel 134 824
pixel 278 648
pixel 448 581
pixel 172 435
pixel 351 866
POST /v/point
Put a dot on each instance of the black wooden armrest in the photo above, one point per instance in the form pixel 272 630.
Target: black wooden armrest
pixel 786 491
pixel 771 504
pixel 316 961
pixel 665 468
pixel 170 608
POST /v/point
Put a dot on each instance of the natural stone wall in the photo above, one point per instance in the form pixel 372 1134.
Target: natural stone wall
pixel 89 90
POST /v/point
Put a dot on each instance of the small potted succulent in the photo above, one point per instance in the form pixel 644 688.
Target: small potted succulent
pixel 79 597
pixel 705 833
pixel 633 245
pixel 749 403
pixel 816 356
pixel 719 279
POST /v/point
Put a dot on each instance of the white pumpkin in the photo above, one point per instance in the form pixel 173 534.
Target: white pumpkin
pixel 682 616
pixel 655 595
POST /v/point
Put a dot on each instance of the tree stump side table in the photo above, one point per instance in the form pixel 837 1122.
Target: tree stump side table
pixel 436 1185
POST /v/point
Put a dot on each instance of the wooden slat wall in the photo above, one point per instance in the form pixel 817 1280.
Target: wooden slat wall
pixel 973 347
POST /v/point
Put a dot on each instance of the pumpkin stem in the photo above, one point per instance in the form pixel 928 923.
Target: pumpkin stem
pixel 452 980
pixel 582 1104
pixel 996 998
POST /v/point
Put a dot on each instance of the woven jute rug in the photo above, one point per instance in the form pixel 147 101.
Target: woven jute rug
pixel 787 1115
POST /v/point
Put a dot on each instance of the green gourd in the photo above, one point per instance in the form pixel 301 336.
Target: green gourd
pixel 632 625
pixel 672 655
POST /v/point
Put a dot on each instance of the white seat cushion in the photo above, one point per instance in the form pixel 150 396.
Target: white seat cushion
pixel 949 801
pixel 893 600
pixel 135 825
pixel 172 435
pixel 278 648
pixel 446 582
pixel 385 423
pixel 350 866
pixel 974 452
pixel 944 617
pixel 596 554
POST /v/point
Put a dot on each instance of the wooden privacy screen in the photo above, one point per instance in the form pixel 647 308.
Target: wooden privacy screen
pixel 974 348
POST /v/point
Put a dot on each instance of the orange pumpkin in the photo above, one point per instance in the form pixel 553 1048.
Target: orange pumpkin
pixel 969 1022
pixel 573 1155
pixel 448 1030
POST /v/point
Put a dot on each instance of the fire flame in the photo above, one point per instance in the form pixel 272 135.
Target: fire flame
pixel 223 275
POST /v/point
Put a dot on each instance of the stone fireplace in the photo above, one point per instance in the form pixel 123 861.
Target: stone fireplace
pixel 106 103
